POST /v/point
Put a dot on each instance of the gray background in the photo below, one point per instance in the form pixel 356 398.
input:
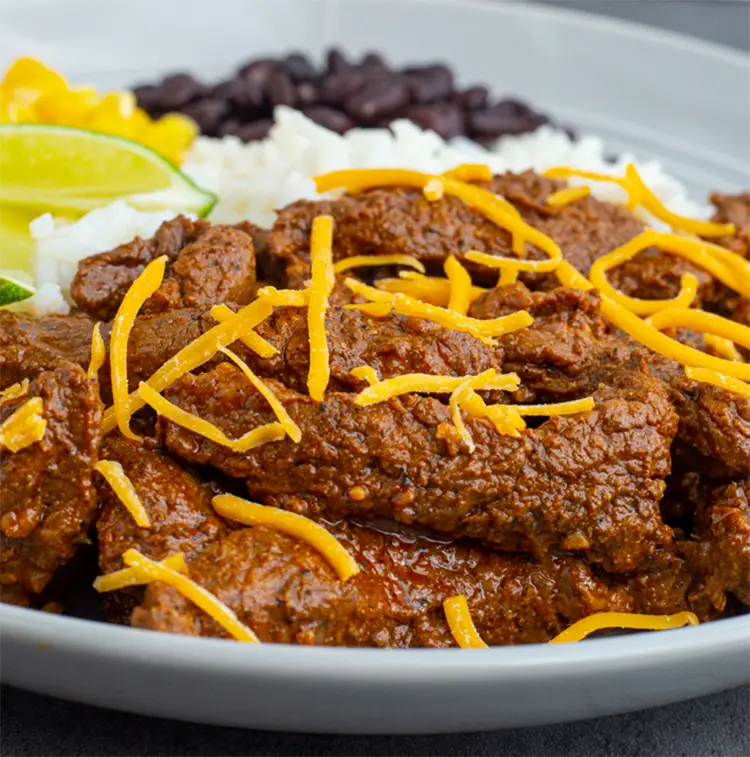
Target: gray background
pixel 715 725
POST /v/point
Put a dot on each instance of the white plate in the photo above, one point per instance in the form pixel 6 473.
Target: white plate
pixel 659 95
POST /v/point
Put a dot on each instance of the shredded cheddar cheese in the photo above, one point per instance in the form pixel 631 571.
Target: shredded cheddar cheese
pixel 123 487
pixel 431 289
pixel 460 297
pixel 566 196
pixel 649 336
pixel 356 261
pixel 250 339
pixel 98 353
pixel 15 390
pixel 495 261
pixel 147 571
pixel 505 418
pixel 365 373
pixel 374 309
pixel 24 427
pixel 495 208
pixel 119 579
pixel 699 320
pixel 455 407
pixel 142 288
pixel 424 383
pixel 724 347
pixel 718 379
pixel 630 620
pixel 291 428
pixel 462 626
pixel 470 172
pixel 270 432
pixel 433 190
pixel 323 280
pixel 507 277
pixel 285 298
pixel 253 514
pixel 196 354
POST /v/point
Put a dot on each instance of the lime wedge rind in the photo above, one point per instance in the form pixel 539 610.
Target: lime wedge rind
pixel 14 289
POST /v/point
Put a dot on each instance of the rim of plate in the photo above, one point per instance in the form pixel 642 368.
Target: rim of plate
pixel 104 640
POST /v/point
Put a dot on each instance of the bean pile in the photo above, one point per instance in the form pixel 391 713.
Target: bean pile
pixel 340 96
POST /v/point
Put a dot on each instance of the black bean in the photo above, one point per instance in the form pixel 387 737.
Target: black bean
pixel 229 127
pixel 260 67
pixel 223 90
pixel 279 89
pixel 474 97
pixel 255 130
pixel 299 68
pixel 336 62
pixel 446 118
pixel 373 64
pixel 178 90
pixel 429 84
pixel 246 94
pixel 338 87
pixel 502 118
pixel 307 93
pixel 377 99
pixel 208 113
pixel 331 119
pixel 148 97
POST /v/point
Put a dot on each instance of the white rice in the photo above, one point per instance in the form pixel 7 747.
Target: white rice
pixel 254 180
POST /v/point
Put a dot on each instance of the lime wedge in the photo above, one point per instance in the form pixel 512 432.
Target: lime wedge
pixel 67 171
pixel 14 287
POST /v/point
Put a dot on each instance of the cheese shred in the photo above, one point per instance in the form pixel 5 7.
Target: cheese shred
pixel 123 487
pixel 147 571
pixel 462 626
pixel 196 354
pixel 323 280
pixel 365 373
pixel 120 579
pixel 250 339
pixel 460 297
pixel 700 320
pixel 433 190
pixel 455 407
pixel 14 391
pixel 356 261
pixel 253 514
pixel 374 309
pixel 24 427
pixel 270 432
pixel 729 383
pixel 470 172
pixel 425 383
pixel 291 428
pixel 98 354
pixel 285 298
pixel 432 289
pixel 632 621
pixel 723 347
pixel 566 196
pixel 141 289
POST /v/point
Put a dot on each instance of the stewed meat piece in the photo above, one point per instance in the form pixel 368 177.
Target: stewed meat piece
pixel 207 265
pixel 177 502
pixel 287 593
pixel 392 346
pixel 48 499
pixel 733 209
pixel 589 483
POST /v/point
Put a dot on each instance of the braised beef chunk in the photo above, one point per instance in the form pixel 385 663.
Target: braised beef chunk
pixel 590 483
pixel 66 336
pixel 206 265
pixel 392 345
pixel 287 593
pixel 48 499
pixel 733 209
pixel 178 505
pixel 721 546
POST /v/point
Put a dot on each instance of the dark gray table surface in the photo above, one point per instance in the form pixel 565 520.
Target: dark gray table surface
pixel 716 725
pixel 35 725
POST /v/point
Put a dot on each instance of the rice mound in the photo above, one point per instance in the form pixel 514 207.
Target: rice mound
pixel 254 180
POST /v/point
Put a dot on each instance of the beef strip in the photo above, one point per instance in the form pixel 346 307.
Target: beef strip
pixel 590 482
pixel 66 336
pixel 721 546
pixel 48 500
pixel 287 593
pixel 733 209
pixel 399 220
pixel 392 345
pixel 206 265
pixel 178 505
